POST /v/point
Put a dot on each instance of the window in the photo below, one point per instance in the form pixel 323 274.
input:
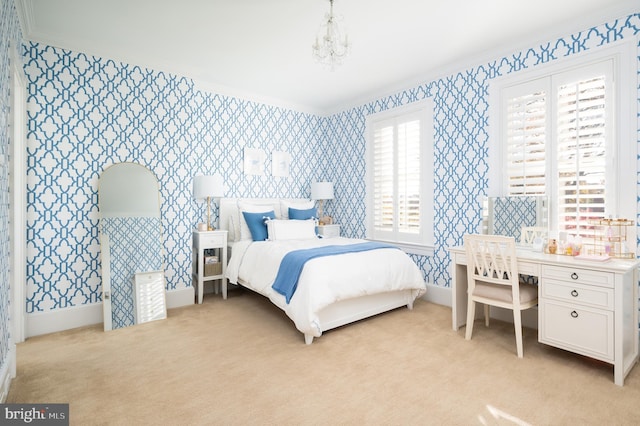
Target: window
pixel 564 134
pixel 400 176
pixel 563 122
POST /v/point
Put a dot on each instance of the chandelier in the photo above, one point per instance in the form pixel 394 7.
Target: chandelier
pixel 331 47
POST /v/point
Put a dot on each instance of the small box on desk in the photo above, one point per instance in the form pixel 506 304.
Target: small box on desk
pixel 212 266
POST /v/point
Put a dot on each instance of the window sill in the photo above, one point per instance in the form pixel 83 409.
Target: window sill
pixel 410 248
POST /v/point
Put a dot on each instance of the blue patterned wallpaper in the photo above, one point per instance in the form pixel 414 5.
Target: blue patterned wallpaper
pixel 10 34
pixel 86 113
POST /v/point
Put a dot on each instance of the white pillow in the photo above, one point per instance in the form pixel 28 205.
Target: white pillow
pixel 233 233
pixel 279 229
pixel 242 228
pixel 300 205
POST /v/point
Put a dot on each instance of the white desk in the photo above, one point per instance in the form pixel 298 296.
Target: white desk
pixel 586 307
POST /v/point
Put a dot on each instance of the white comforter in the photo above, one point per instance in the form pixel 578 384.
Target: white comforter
pixel 324 280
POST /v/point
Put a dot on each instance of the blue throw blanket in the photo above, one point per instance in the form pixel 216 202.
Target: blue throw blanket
pixel 293 262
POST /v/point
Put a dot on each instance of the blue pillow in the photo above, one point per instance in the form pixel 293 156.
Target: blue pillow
pixel 302 214
pixel 257 223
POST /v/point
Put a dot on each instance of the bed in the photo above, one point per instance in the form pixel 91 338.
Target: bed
pixel 331 290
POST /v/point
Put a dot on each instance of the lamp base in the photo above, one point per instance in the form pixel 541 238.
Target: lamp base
pixel 209 227
pixel 325 220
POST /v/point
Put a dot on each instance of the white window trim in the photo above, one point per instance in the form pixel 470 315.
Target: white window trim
pixel 426 106
pixel 623 54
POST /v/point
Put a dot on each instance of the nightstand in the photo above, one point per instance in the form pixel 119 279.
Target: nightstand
pixel 329 231
pixel 211 264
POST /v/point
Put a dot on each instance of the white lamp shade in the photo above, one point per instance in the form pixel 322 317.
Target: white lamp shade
pixel 322 191
pixel 208 186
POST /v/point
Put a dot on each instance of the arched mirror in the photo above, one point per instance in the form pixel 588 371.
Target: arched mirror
pixel 133 289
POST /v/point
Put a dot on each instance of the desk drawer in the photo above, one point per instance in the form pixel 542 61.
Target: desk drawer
pixel 577 275
pixel 578 329
pixel 597 297
pixel 212 240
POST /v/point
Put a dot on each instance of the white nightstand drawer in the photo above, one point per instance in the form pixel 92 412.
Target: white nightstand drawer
pixel 329 231
pixel 213 240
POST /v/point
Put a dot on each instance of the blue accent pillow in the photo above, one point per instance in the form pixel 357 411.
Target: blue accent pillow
pixel 297 214
pixel 257 223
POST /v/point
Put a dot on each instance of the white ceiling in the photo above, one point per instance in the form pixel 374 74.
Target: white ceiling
pixel 261 49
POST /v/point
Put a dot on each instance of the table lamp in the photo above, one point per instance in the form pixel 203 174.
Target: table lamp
pixel 208 187
pixel 321 191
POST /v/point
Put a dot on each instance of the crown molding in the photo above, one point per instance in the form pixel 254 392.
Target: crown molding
pixel 25 16
pixel 577 24
pixel 218 89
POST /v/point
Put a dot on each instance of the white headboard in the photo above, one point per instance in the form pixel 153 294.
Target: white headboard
pixel 229 207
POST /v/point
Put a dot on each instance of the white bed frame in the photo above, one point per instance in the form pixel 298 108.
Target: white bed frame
pixel 342 312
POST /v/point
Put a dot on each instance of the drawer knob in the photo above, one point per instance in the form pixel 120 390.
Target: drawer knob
pixel 574 276
pixel 574 293
pixel 574 314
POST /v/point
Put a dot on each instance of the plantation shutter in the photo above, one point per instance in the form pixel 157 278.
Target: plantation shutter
pixel 581 134
pixel 526 136
pixel 383 160
pixel 409 177
pixel 396 178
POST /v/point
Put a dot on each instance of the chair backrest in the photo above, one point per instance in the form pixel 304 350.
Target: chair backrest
pixel 530 233
pixel 492 259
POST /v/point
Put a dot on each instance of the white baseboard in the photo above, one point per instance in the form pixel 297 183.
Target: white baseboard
pixel 81 316
pixel 8 372
pixel 178 298
pixel 438 295
pixel 62 319
pixel 442 296
pixel 529 316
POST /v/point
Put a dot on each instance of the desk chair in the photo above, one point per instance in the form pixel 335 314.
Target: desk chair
pixel 527 237
pixel 492 274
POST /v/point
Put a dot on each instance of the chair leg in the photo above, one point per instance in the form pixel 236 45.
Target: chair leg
pixel 486 314
pixel 517 323
pixel 471 314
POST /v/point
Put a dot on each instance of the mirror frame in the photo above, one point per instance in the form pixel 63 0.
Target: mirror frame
pixel 129 207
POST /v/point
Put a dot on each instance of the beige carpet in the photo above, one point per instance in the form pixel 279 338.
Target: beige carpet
pixel 241 361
